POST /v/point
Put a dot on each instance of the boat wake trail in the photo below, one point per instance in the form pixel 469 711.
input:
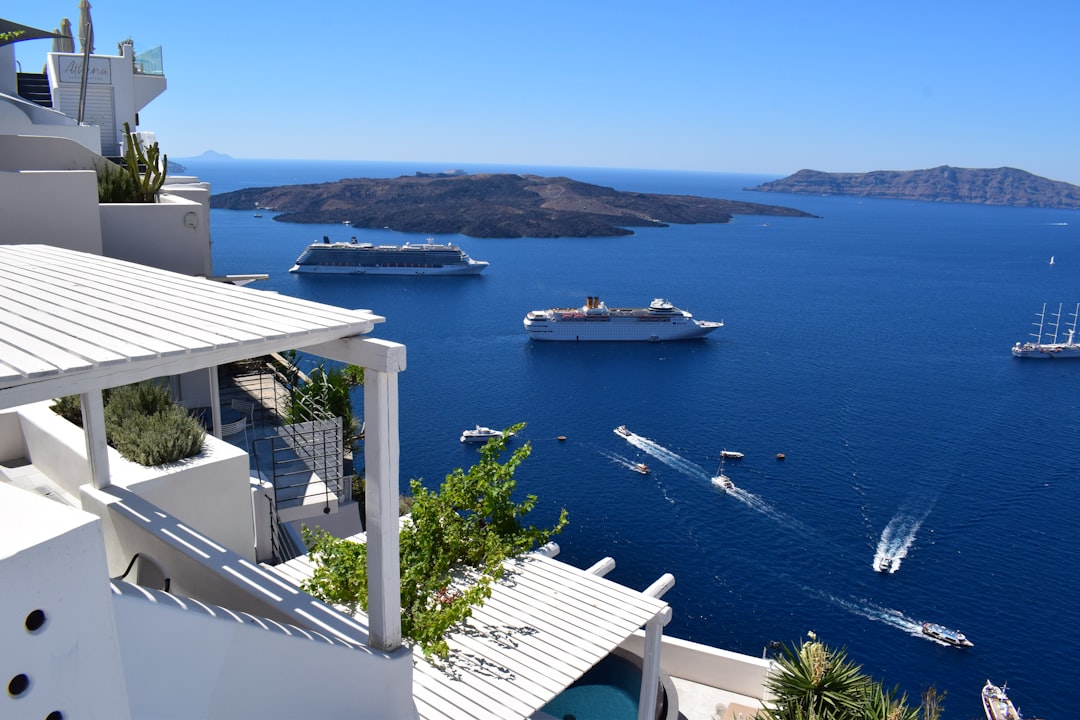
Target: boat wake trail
pixel 620 460
pixel 871 611
pixel 667 457
pixel 897 537
pixel 678 462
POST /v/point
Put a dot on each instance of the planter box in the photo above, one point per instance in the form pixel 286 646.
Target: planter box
pixel 210 491
pixel 171 234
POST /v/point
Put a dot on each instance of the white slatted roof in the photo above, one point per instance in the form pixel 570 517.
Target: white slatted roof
pixel 545 624
pixel 72 322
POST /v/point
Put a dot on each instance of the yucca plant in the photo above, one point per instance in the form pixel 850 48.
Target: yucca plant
pixel 816 682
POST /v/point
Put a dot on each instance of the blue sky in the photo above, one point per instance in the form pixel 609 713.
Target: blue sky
pixel 711 85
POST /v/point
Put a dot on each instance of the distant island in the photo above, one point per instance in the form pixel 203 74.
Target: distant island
pixel 487 205
pixel 998 186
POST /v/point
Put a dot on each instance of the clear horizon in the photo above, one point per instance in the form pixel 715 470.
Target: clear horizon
pixel 759 89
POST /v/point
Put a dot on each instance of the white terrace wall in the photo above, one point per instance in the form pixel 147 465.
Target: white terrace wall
pixel 241 670
pixel 210 491
pixel 58 208
pixel 56 622
pixel 171 234
pixel 734 672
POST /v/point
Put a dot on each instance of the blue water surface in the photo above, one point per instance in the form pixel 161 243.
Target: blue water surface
pixel 869 346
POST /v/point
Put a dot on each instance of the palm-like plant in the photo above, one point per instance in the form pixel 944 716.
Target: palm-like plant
pixel 881 704
pixel 817 683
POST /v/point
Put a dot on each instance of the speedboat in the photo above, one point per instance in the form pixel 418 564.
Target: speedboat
pixel 481 434
pixel 730 454
pixel 621 430
pixel 641 468
pixel 996 703
pixel 945 635
pixel 883 563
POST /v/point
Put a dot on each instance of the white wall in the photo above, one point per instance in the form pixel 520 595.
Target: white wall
pixel 12 446
pixel 734 672
pixel 186 664
pixel 172 234
pixel 52 560
pixel 36 150
pixel 209 492
pixel 52 208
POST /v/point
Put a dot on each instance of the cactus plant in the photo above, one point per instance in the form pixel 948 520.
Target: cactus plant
pixel 150 179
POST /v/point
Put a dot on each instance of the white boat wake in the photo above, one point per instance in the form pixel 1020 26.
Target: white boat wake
pixel 897 538
pixel 620 460
pixel 667 457
pixel 877 613
pixel 678 462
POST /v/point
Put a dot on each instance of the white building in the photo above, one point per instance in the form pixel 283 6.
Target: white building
pixel 134 592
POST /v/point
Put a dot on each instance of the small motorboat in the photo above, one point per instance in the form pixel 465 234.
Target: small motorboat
pixel 481 434
pixel 945 635
pixel 780 456
pixel 641 468
pixel 730 454
pixel 883 564
pixel 621 430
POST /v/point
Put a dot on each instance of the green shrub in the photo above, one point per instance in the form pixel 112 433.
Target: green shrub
pixel 143 424
pixel 451 551
pixel 117 186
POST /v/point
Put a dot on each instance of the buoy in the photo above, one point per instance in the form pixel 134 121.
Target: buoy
pixel 779 456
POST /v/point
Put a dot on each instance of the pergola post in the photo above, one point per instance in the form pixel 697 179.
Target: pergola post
pixel 654 636
pixel 650 668
pixel 215 401
pixel 97 449
pixel 381 523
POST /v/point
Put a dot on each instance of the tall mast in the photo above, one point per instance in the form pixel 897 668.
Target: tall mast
pixel 1039 335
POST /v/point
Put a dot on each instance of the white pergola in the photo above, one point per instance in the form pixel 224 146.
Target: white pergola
pixel 77 323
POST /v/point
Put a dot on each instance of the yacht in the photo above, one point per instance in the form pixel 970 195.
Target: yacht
pixel 996 703
pixel 622 430
pixel 945 635
pixel 481 434
pixel 720 479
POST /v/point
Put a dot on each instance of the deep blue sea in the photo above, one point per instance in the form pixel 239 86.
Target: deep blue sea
pixel 870 346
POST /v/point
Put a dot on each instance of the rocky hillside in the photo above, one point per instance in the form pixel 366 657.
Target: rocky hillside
pixel 487 205
pixel 999 186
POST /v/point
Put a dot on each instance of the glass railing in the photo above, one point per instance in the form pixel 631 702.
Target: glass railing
pixel 148 62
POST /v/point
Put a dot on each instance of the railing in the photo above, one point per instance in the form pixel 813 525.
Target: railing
pixel 148 62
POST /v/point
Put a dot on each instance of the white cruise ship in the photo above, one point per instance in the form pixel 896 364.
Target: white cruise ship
pixel 353 258
pixel 596 321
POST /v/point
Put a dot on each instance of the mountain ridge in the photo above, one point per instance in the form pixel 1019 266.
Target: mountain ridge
pixel 487 205
pixel 982 186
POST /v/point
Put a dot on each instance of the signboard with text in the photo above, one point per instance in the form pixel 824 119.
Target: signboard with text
pixel 100 71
